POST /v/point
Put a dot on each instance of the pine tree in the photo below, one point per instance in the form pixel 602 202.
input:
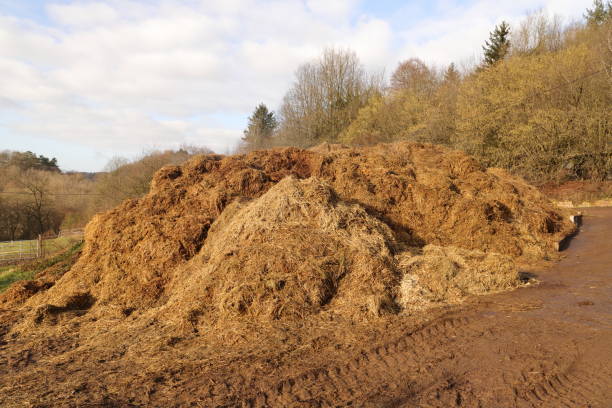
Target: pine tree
pixel 599 13
pixel 258 134
pixel 496 48
pixel 451 74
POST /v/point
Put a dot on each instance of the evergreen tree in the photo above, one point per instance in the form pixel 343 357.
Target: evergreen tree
pixel 451 74
pixel 258 134
pixel 599 13
pixel 28 160
pixel 496 48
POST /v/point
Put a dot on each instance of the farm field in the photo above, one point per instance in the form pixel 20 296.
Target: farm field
pixel 16 250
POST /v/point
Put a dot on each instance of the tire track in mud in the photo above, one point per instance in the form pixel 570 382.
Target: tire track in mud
pixel 387 369
pixel 409 372
pixel 577 387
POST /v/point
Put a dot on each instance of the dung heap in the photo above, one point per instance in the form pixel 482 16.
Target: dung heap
pixel 288 233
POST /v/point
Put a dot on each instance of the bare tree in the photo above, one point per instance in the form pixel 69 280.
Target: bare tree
pixel 125 178
pixel 325 98
pixel 39 208
pixel 414 75
pixel 537 34
pixel 11 219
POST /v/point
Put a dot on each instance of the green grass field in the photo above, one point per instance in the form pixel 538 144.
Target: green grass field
pixel 10 274
pixel 25 249
pixel 16 245
pixel 13 273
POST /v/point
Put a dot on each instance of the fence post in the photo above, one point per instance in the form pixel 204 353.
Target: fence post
pixel 39 251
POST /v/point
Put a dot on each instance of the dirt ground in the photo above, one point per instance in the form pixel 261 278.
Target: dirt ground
pixel 578 192
pixel 545 345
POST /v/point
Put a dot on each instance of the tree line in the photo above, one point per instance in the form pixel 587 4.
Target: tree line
pixel 538 103
pixel 36 197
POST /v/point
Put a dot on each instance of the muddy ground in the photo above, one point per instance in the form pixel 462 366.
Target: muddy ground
pixel 545 345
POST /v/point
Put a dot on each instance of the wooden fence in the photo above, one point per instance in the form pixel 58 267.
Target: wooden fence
pixel 16 251
pixel 75 232
pixel 24 250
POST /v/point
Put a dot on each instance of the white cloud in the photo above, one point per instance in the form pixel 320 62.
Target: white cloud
pixel 458 31
pixel 119 74
pixel 83 15
pixel 372 41
pixel 334 8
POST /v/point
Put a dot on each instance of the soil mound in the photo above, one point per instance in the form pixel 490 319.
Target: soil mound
pixel 286 233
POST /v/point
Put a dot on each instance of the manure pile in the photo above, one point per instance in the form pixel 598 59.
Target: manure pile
pixel 284 234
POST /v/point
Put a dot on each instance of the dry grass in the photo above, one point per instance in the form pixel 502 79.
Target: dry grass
pixel 443 275
pixel 290 253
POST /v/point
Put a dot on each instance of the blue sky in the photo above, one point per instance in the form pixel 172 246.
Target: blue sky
pixel 85 81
